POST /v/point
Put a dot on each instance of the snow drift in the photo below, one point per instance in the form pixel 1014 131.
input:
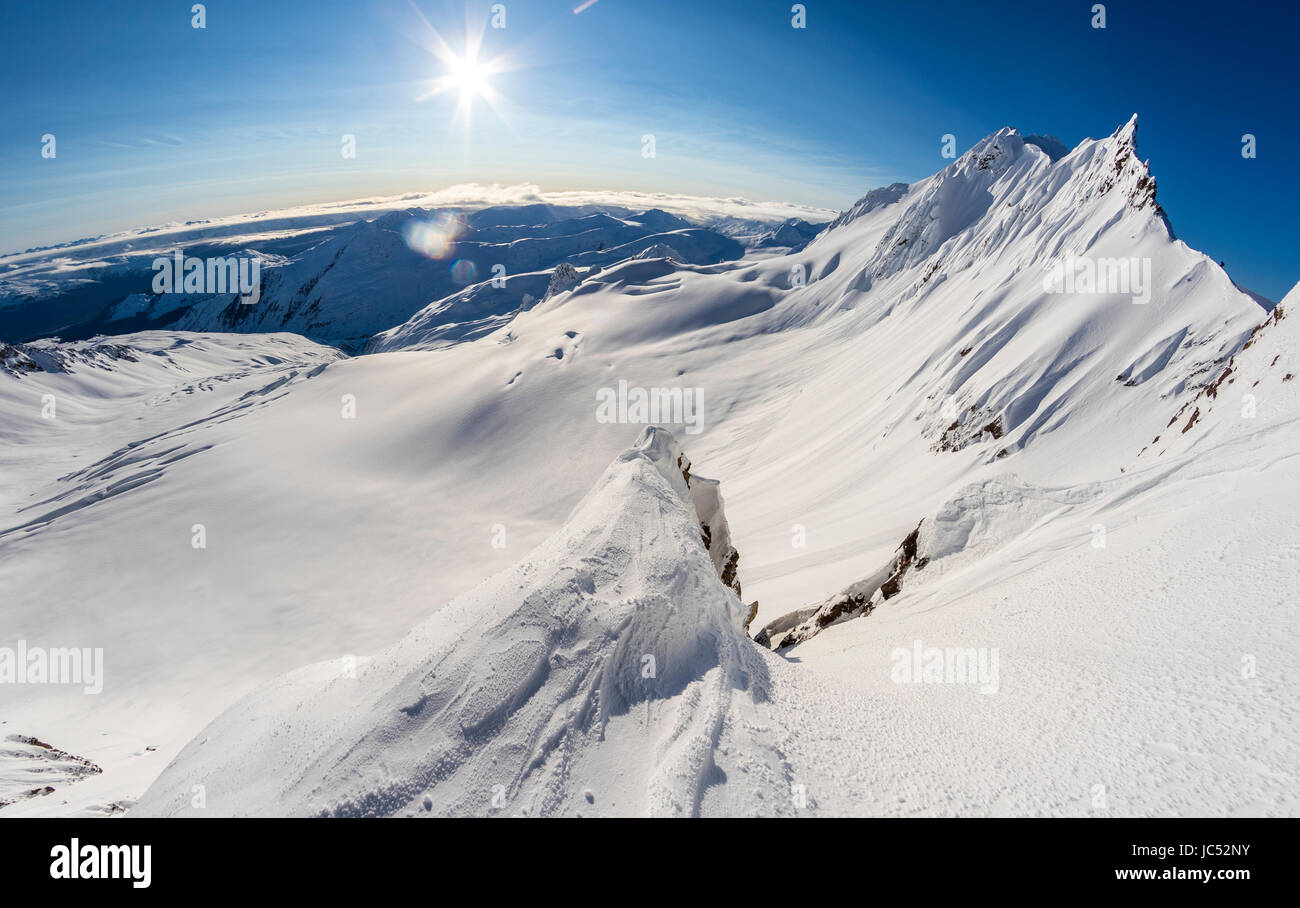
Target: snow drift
pixel 596 676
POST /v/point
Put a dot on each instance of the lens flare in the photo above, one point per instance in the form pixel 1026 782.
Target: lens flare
pixel 464 272
pixel 436 237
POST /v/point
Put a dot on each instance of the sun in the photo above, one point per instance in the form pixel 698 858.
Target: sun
pixel 469 77
pixel 467 74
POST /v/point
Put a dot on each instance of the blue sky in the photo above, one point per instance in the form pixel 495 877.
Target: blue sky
pixel 157 121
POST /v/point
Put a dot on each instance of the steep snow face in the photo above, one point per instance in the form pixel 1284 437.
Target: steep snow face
pixel 1256 392
pixel 598 676
pixel 1251 405
pixel 874 199
pixel 927 350
pixel 1009 202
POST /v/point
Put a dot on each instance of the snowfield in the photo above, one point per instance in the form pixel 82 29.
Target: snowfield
pixel 1017 541
pixel 609 672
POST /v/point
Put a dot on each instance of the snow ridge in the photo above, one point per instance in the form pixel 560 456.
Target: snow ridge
pixel 612 654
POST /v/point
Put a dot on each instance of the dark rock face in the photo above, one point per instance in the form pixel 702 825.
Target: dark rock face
pixel 728 574
pixel 903 561
pixel 857 601
pixel 1208 394
pixel 729 568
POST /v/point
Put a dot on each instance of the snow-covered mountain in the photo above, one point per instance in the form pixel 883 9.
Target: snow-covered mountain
pixel 335 280
pixel 933 426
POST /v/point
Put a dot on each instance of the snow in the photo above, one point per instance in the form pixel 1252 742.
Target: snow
pixel 1137 593
pixel 338 273
pixel 608 661
pixel 30 768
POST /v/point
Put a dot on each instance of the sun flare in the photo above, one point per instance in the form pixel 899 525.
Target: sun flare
pixel 467 74
pixel 469 77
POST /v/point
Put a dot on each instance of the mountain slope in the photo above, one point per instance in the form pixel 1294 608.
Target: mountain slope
pixel 848 392
pixel 597 676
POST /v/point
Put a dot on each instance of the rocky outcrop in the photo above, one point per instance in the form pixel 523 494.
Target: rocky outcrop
pixel 53 356
pixel 972 426
pixel 1262 360
pixel 30 768
pixel 855 601
pixel 715 532
pixel 565 277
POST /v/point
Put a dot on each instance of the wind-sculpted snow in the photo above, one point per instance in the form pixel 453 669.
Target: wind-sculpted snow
pixel 598 676
pixel 978 523
pixel 468 314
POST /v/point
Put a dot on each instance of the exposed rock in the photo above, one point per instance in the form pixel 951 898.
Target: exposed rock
pixel 30 768
pixel 858 600
pixel 715 532
pixel 1204 400
pixel 565 277
pixel 55 356
pixel 970 428
pixel 902 562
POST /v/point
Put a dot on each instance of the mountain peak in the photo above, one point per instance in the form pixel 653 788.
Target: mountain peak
pixel 1000 194
pixel 1127 134
pixel 1124 167
pixel 875 198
